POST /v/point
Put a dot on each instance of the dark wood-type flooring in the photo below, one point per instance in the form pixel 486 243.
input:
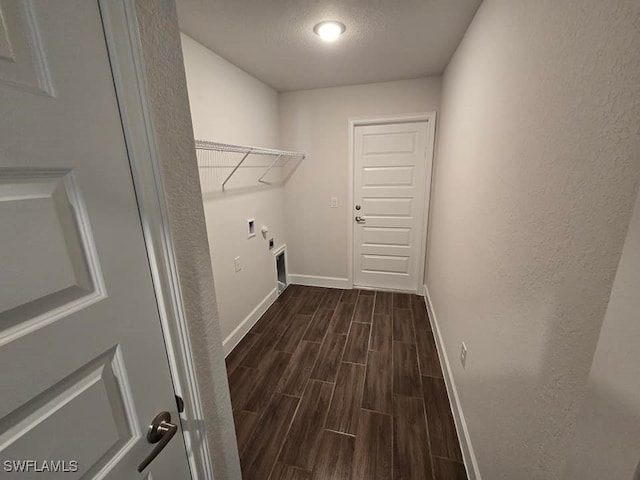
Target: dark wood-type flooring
pixel 332 384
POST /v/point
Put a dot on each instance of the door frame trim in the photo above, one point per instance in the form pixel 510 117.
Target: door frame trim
pixel 127 66
pixel 430 119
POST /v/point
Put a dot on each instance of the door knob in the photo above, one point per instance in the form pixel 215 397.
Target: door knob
pixel 161 431
pixel 359 219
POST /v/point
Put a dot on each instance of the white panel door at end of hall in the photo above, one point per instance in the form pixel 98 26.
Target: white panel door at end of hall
pixel 84 365
pixel 390 181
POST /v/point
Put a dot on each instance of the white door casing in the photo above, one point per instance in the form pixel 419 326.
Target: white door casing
pixel 85 365
pixel 391 175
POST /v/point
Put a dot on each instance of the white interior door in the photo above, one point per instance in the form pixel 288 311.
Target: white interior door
pixel 84 366
pixel 390 165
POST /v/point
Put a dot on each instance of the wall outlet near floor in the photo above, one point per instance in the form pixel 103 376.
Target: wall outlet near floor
pixel 236 263
pixel 334 202
pixel 463 355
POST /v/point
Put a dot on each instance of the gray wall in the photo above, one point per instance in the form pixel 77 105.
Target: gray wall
pixel 317 122
pixel 174 136
pixel 230 106
pixel 607 436
pixel 535 180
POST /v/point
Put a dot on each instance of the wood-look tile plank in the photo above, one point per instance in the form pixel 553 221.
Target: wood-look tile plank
pixel 298 290
pixel 245 423
pixel 420 316
pixel 382 303
pixel 381 333
pixel 312 301
pixel 342 318
pixel 285 315
pixel 442 430
pixel 364 309
pixel 286 294
pixel 377 393
pixel 427 353
pixel 287 472
pixel 293 334
pixel 331 298
pixel 262 448
pixel 335 457
pixel 345 404
pixel 406 374
pixel 236 356
pixel 370 293
pixel 304 437
pixel 295 377
pixel 349 296
pixel 259 350
pixel 403 326
pixel 267 317
pixel 241 383
pixel 326 367
pixel 357 343
pixel 448 469
pixel 411 457
pixel 401 300
pixel 267 380
pixel 319 325
pixel 372 456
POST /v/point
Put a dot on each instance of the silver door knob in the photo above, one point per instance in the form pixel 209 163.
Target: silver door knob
pixel 161 431
pixel 359 219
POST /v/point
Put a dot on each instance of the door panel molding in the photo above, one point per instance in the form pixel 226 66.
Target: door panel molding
pixel 125 53
pixel 430 119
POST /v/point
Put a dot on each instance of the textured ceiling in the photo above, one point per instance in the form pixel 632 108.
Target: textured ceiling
pixel 274 41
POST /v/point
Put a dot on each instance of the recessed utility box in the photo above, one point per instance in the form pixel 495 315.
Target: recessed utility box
pixel 251 228
pixel 281 268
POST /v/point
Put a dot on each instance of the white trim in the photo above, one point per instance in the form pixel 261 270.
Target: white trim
pixel 316 281
pixel 430 119
pixel 241 330
pixel 470 462
pixel 127 65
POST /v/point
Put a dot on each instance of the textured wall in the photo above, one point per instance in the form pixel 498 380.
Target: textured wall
pixel 535 178
pixel 172 123
pixel 230 106
pixel 608 428
pixel 317 122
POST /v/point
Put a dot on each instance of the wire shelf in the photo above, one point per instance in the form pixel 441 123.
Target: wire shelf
pixel 223 166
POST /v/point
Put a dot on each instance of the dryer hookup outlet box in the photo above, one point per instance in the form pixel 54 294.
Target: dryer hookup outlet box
pixel 270 243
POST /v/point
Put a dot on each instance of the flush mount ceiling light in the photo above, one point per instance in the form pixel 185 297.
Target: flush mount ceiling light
pixel 329 31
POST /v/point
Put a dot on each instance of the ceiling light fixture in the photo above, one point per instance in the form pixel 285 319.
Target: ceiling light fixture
pixel 329 31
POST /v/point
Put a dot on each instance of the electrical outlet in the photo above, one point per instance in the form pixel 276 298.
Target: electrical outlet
pixel 334 202
pixel 463 355
pixel 236 263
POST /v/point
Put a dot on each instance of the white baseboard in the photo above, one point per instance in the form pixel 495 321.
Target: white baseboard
pixel 315 281
pixel 241 330
pixel 468 455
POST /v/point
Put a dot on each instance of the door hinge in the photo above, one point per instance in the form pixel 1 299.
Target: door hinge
pixel 180 403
